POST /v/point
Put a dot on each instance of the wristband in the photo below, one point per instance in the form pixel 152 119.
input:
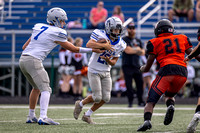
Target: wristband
pixel 85 50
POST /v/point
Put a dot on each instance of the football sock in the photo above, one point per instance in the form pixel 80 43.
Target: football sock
pixel 89 112
pixel 147 116
pixel 31 112
pixel 197 109
pixel 44 103
pixel 169 102
pixel 81 103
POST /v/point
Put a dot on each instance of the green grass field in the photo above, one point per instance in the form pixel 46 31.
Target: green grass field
pixel 109 119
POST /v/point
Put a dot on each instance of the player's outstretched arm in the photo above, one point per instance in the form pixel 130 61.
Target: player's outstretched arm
pixel 149 63
pixel 93 44
pixel 26 43
pixel 69 46
pixel 136 50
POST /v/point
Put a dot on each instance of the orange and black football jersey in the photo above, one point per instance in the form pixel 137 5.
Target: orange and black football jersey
pixel 169 48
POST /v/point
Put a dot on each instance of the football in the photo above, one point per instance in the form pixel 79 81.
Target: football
pixel 102 40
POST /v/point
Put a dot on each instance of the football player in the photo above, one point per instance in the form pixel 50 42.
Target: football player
pixel 196 118
pixel 99 67
pixel 43 39
pixel 169 50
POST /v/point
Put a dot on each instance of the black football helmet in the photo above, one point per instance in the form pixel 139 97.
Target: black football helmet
pixel 163 26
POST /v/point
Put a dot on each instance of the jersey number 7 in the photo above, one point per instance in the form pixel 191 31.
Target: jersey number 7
pixel 44 28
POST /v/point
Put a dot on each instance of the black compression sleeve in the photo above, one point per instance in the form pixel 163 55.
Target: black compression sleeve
pixel 194 54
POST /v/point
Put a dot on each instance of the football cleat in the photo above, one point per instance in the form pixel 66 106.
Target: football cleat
pixel 194 122
pixel 169 115
pixel 77 109
pixel 31 119
pixel 146 125
pixel 47 121
pixel 87 119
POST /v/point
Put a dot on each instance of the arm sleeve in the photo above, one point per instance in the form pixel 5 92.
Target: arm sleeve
pixel 197 52
pixel 150 48
pixel 188 44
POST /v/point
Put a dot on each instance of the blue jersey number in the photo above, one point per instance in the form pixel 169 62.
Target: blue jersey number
pixel 101 60
pixel 44 28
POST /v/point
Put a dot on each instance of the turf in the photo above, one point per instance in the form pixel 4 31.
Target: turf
pixel 110 119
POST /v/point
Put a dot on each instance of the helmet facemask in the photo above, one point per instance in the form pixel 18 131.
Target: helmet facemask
pixel 114 35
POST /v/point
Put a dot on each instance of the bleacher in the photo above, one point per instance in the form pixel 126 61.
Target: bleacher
pixel 26 13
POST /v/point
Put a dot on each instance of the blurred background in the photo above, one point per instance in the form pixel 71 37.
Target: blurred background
pixel 17 17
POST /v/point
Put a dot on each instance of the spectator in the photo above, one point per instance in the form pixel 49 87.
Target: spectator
pixel 117 12
pixel 2 3
pixel 63 70
pixel 98 16
pixel 190 77
pixel 77 60
pixel 182 8
pixel 198 10
pixel 130 65
pixel 147 77
pixel 120 86
pixel 76 24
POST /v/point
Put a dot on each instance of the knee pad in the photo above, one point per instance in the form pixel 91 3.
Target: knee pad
pixel 97 99
pixel 106 98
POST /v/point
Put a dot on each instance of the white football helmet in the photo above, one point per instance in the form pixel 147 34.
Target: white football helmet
pixel 113 23
pixel 55 15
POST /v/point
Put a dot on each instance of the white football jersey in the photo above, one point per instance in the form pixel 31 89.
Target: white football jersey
pixel 43 40
pixel 97 64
